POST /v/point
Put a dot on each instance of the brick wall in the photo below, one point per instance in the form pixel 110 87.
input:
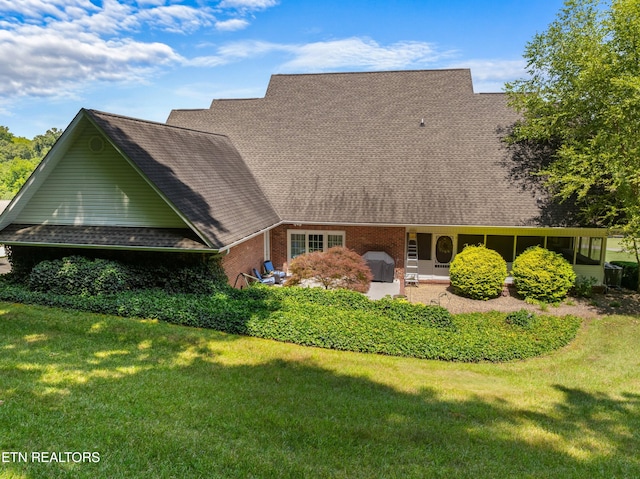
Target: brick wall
pixel 243 258
pixel 390 239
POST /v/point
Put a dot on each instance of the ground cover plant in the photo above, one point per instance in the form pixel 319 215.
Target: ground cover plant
pixel 156 400
pixel 335 319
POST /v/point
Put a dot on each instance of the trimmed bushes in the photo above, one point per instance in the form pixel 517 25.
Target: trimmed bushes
pixel 478 272
pixel 331 319
pixel 77 275
pixel 542 275
pixel 178 272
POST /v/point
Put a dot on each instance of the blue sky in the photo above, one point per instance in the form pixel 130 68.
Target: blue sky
pixel 142 58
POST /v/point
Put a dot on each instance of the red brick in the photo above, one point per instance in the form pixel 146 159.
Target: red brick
pixel 243 258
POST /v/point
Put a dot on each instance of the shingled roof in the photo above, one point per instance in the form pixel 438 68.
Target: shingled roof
pixel 201 174
pixel 350 148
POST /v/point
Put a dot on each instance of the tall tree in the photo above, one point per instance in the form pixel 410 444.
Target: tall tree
pixel 20 156
pixel 582 96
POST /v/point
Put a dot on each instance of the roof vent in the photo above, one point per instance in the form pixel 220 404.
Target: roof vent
pixel 96 144
pixel 422 122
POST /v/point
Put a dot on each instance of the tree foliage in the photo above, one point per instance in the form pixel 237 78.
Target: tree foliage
pixel 582 97
pixel 20 156
pixel 334 268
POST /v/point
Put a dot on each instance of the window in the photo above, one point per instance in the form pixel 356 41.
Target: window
pixel 589 250
pixel 444 249
pixel 469 240
pixel 562 245
pixel 525 242
pixel 297 243
pixel 424 245
pixel 502 244
pixel 335 240
pixel 301 242
pixel 315 242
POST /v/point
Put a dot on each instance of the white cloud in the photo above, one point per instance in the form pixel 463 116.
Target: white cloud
pixel 491 75
pixel 247 4
pixel 321 56
pixel 48 45
pixel 57 47
pixel 40 62
pixel 37 9
pixel 177 18
pixel 232 25
pixel 361 53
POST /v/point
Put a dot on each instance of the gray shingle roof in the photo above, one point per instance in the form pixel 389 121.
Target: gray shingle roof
pixel 349 148
pixel 201 174
pixel 102 236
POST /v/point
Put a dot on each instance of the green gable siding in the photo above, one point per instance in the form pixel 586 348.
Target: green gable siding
pixel 97 188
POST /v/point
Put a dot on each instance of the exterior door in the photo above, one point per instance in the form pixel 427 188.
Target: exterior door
pixel 443 254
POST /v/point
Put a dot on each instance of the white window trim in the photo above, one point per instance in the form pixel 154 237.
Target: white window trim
pixel 306 233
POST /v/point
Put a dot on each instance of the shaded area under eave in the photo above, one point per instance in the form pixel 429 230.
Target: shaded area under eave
pixel 110 237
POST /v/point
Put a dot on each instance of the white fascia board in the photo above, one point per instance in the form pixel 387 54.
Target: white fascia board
pixel 552 230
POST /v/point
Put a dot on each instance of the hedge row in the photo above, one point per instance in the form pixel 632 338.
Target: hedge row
pixel 341 320
pixel 78 275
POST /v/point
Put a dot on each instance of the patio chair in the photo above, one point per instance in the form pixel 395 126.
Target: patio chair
pixel 279 275
pixel 268 280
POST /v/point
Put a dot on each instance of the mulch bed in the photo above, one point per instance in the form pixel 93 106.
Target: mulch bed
pixel 613 302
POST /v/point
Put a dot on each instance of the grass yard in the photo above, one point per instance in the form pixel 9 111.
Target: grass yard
pixel 615 251
pixel 154 400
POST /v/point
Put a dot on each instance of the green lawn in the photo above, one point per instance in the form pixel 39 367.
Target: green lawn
pixel 615 252
pixel 155 400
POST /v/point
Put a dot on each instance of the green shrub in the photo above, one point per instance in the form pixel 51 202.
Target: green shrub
pixel 583 286
pixel 329 319
pixel 76 275
pixel 522 318
pixel 478 272
pixel 184 272
pixel 406 312
pixel 542 275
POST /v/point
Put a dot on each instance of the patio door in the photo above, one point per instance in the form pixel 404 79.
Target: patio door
pixel 443 254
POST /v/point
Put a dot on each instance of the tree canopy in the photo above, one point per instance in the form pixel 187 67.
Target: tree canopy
pixel 581 103
pixel 19 156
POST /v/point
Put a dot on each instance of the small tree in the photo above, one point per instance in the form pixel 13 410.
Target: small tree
pixel 334 268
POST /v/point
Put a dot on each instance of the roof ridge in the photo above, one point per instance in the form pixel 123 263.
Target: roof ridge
pixel 374 72
pixel 155 123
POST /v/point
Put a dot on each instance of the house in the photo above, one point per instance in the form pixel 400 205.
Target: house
pixel 361 160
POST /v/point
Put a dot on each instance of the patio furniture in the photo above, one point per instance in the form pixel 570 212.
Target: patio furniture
pixel 270 270
pixel 264 280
